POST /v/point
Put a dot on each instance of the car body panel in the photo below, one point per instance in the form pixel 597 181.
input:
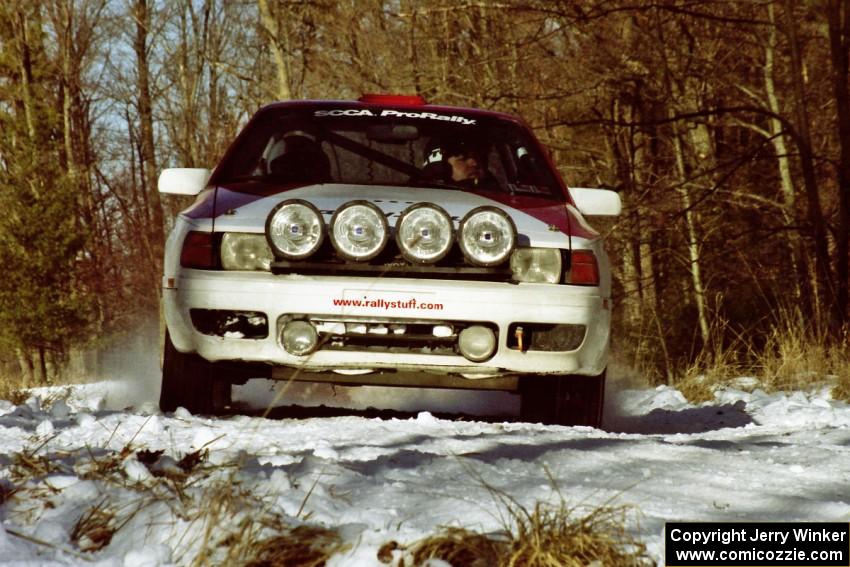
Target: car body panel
pixel 499 303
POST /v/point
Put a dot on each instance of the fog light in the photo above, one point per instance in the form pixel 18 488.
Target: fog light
pixel 295 229
pixel 299 338
pixel 487 236
pixel 359 231
pixel 477 343
pixel 424 233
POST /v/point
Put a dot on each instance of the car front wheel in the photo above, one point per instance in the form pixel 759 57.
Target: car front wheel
pixel 562 400
pixel 189 381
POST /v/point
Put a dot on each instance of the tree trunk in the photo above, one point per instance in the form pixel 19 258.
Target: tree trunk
pixel 26 365
pixel 148 167
pixel 802 292
pixel 824 302
pixel 26 71
pixel 839 41
pixel 43 375
pixel 693 247
pixel 271 26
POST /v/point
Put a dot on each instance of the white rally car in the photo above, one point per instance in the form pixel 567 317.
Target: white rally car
pixel 387 242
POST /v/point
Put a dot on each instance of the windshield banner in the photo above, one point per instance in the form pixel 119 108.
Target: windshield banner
pixel 387 113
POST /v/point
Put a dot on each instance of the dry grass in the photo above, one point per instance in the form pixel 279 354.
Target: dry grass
pixel 95 528
pixel 225 523
pixel 708 373
pixel 301 546
pixel 558 537
pixel 461 548
pixel 18 391
pixel 715 365
pixel 13 388
pixel 798 356
pixel 239 528
pixel 547 535
pixel 795 356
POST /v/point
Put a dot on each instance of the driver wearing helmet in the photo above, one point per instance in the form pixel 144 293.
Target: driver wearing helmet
pixel 459 162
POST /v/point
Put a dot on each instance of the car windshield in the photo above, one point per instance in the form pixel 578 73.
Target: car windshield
pixel 389 147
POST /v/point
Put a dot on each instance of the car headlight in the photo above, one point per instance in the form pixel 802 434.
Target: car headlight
pixel 487 236
pixel 359 231
pixel 242 251
pixel 295 229
pixel 424 233
pixel 536 265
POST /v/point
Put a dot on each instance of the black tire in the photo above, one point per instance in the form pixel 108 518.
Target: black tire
pixel 562 400
pixel 191 382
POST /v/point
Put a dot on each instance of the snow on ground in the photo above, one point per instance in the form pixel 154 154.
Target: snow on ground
pixel 379 477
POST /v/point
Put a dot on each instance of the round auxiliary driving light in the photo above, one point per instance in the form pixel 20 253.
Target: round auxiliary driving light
pixel 487 236
pixel 295 229
pixel 477 343
pixel 299 338
pixel 359 231
pixel 424 233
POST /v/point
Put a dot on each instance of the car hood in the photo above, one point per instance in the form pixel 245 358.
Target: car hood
pixel 539 222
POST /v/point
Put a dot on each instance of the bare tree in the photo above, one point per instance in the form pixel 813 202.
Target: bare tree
pixel 838 19
pixel 148 171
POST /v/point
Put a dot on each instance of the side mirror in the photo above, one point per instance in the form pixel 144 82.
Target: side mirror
pixel 183 180
pixel 597 202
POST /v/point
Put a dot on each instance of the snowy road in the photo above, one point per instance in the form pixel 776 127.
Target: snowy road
pixel 750 457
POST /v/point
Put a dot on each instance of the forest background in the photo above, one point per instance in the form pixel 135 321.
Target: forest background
pixel 724 126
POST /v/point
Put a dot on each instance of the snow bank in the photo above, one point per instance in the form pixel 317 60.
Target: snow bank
pixel 159 483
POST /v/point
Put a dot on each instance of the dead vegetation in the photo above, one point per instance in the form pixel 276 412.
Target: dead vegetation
pixel 223 521
pixel 545 535
pixel 95 528
pixel 793 355
pixel 301 546
pixel 13 388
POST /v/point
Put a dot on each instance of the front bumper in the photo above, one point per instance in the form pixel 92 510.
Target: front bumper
pixel 394 300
